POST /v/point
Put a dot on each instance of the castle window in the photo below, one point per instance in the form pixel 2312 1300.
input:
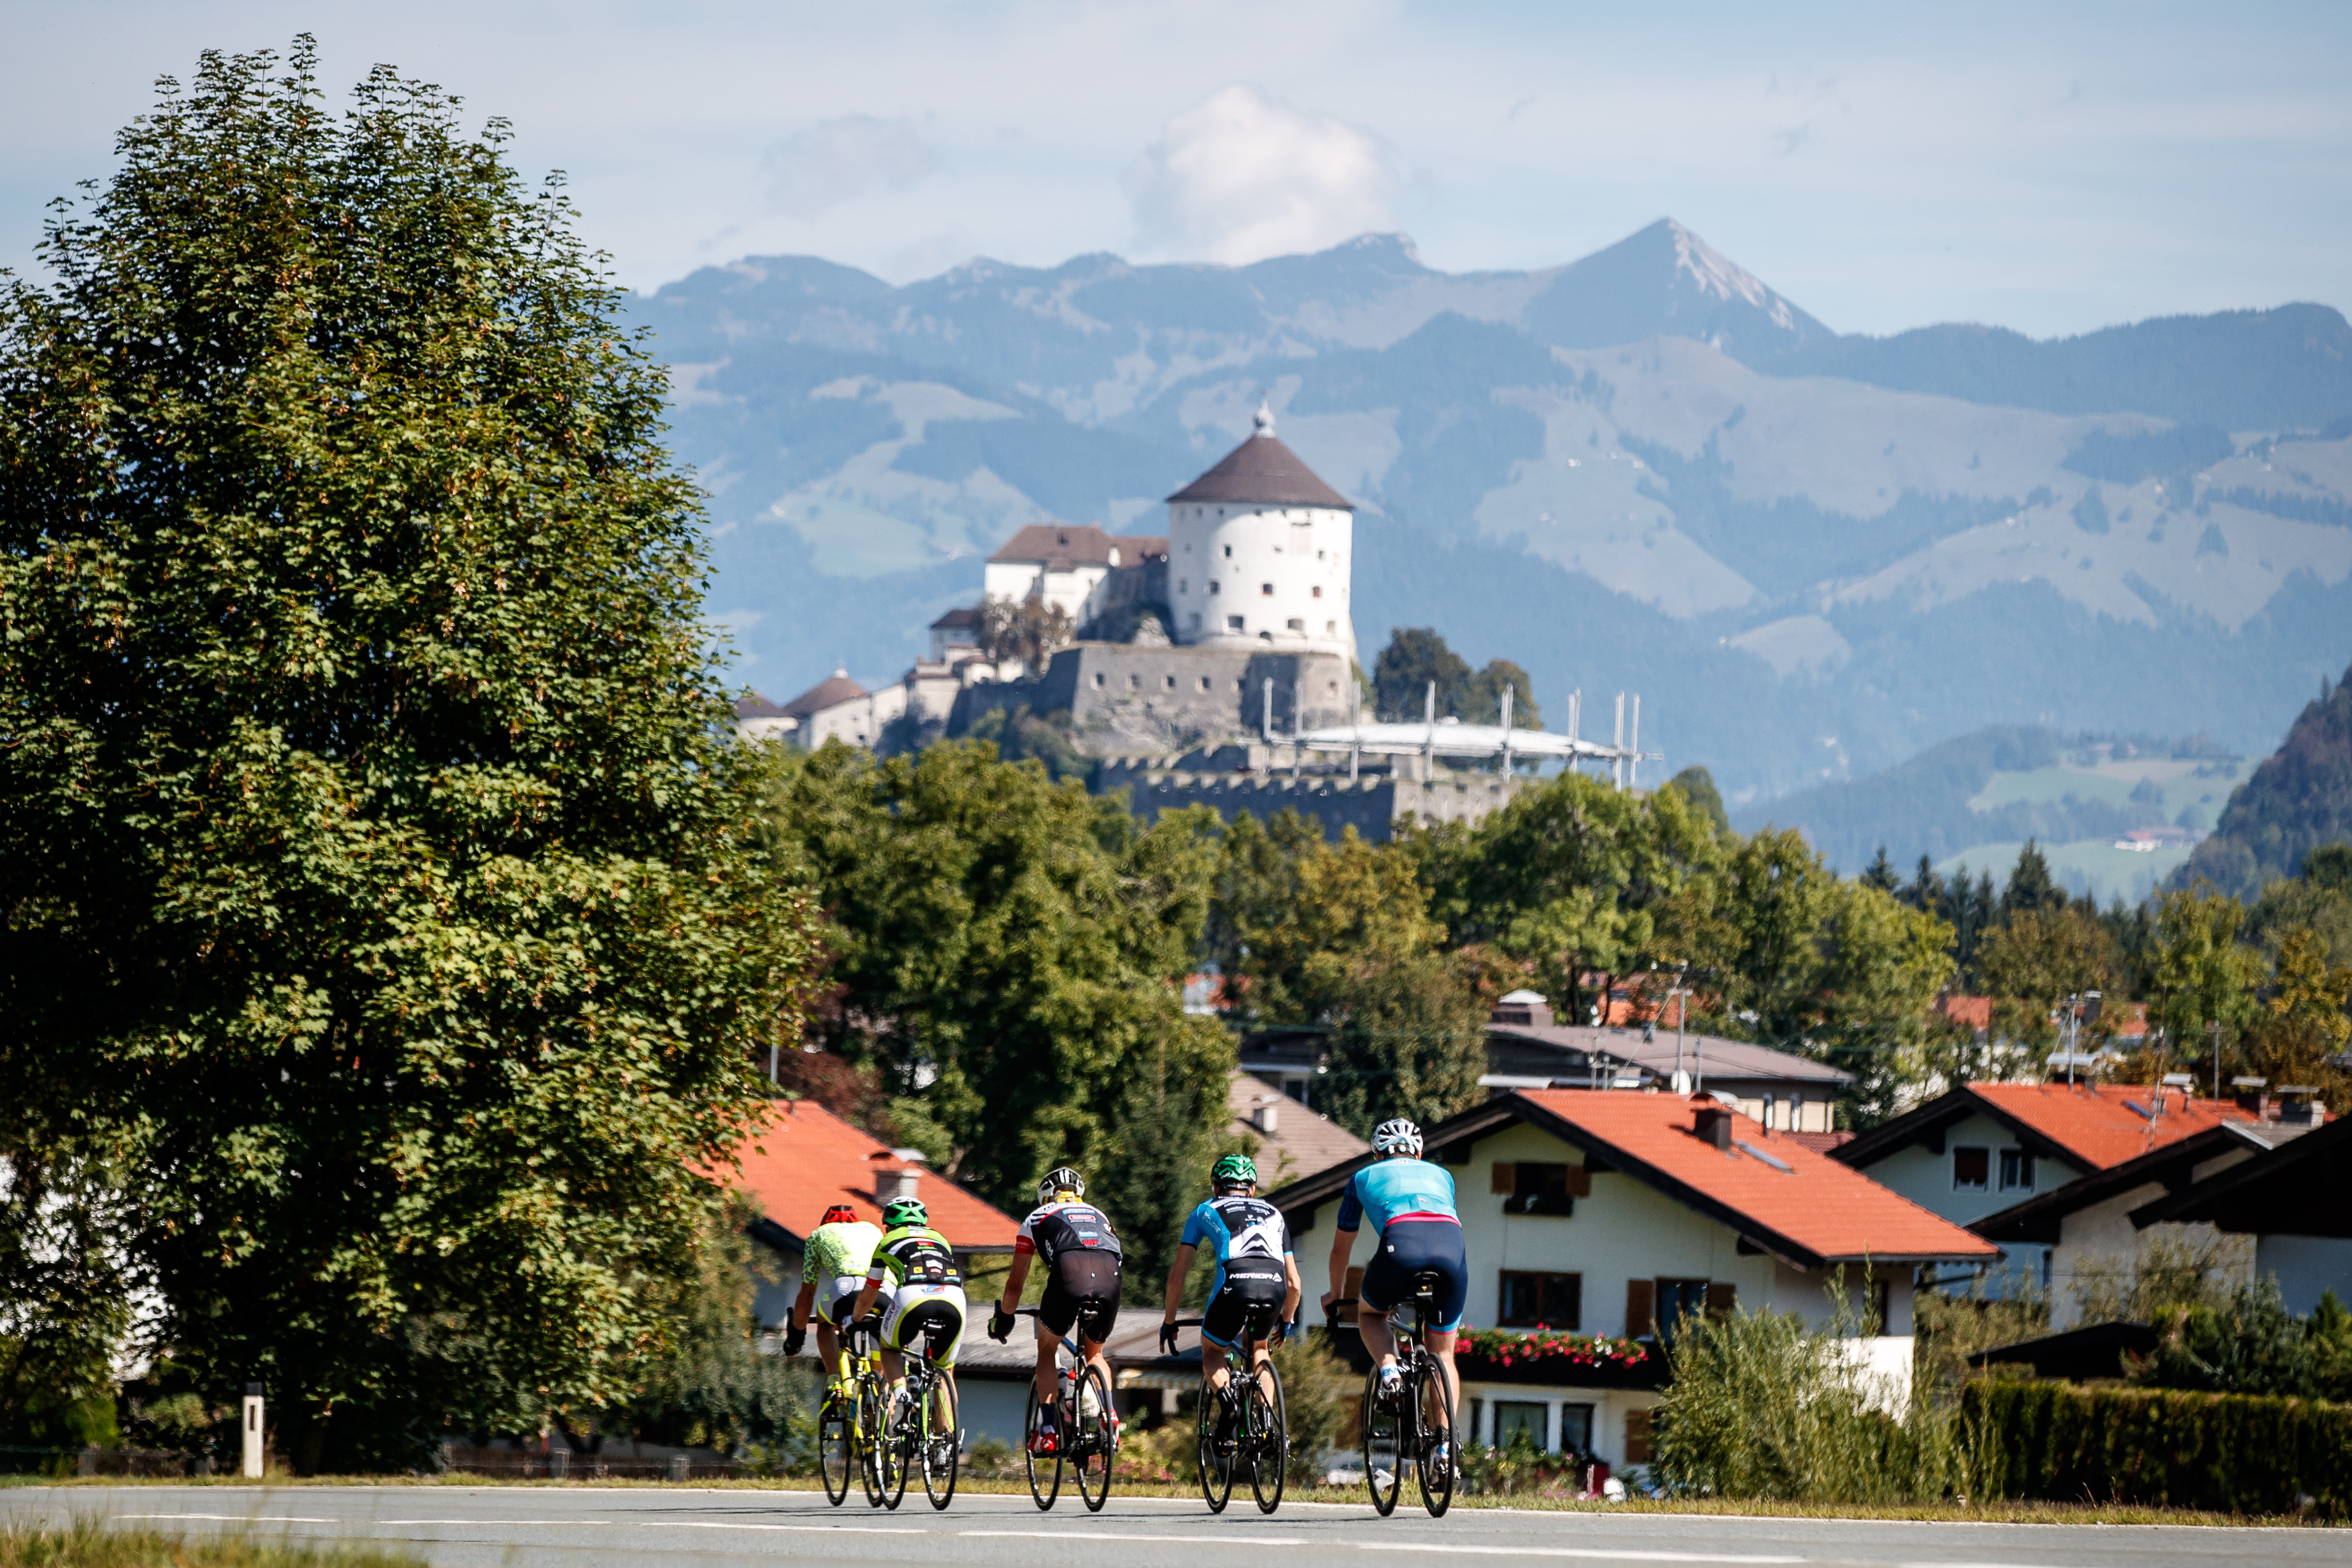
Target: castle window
pixel 1134 682
pixel 1267 589
pixel 1183 584
pixel 1213 586
pixel 1098 677
pixel 1318 590
pixel 1331 626
pixel 1331 689
pixel 1233 623
pixel 1229 552
pixel 1171 679
pixel 1318 555
pixel 1204 683
pixel 1297 625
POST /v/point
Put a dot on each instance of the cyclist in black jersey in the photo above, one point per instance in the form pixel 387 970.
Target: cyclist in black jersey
pixel 1076 1242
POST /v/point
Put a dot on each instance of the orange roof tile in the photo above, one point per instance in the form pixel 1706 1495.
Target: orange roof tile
pixel 2095 1124
pixel 802 1158
pixel 1826 1209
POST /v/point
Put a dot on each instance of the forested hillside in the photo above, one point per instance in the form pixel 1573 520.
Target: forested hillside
pixel 2299 799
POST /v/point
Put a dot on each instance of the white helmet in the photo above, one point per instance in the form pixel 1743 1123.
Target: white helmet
pixel 1390 1136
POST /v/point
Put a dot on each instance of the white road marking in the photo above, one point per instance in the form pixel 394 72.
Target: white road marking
pixel 820 1529
pixel 1600 1556
pixel 1079 1532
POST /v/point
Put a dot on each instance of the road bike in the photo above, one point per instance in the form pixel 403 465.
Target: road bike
pixel 1259 1430
pixel 849 1423
pixel 1085 1433
pixel 1415 1426
pixel 920 1432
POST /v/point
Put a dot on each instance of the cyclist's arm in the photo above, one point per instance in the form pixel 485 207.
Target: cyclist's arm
pixel 1292 1289
pixel 866 1298
pixel 1343 1246
pixel 1176 1272
pixel 1015 1278
pixel 802 1304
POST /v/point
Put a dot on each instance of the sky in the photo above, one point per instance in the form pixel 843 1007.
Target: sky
pixel 2049 168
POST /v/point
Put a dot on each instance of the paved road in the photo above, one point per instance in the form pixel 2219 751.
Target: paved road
pixel 506 1527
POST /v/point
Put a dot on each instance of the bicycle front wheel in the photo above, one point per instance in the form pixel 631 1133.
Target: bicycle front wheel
pixel 869 1439
pixel 942 1442
pixel 1097 1447
pixel 1434 1407
pixel 899 1426
pixel 1383 1422
pixel 1044 1477
pixel 1267 1431
pixel 836 1454
pixel 1216 1468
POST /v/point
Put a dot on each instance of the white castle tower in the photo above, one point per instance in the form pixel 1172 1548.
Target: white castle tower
pixel 1259 551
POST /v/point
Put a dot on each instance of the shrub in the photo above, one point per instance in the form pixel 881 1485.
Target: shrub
pixel 1317 1389
pixel 2226 1452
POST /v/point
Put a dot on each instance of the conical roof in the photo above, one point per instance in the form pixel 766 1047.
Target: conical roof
pixel 836 689
pixel 1262 471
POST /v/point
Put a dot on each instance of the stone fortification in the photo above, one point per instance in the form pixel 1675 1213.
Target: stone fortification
pixel 1125 697
pixel 1371 805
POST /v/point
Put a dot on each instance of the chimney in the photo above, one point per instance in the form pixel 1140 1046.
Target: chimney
pixel 1262 1116
pixel 1525 1008
pixel 1713 1123
pixel 2251 1097
pixel 2303 1110
pixel 889 1186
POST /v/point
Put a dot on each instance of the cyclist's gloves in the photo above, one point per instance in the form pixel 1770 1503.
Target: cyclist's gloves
pixel 999 1324
pixel 793 1339
pixel 1167 1339
pixel 1276 1335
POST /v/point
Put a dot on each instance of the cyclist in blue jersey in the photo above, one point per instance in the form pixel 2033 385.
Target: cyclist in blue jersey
pixel 1255 1288
pixel 1411 1204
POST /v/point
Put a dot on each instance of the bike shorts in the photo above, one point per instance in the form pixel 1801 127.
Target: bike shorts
pixel 1250 1298
pixel 925 1317
pixel 837 1296
pixel 1408 1246
pixel 1082 1292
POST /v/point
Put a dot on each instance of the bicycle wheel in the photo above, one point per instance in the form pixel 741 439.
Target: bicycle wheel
pixel 1216 1468
pixel 1433 1410
pixel 1266 1430
pixel 900 1420
pixel 870 1437
pixel 1097 1447
pixel 1385 1449
pixel 1046 1489
pixel 942 1442
pixel 836 1452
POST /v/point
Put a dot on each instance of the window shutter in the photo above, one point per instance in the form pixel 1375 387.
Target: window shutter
pixel 1579 1182
pixel 1638 1293
pixel 1506 1179
pixel 1718 1299
pixel 1637 1436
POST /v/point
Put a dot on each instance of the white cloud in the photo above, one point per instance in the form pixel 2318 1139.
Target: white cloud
pixel 837 159
pixel 1243 176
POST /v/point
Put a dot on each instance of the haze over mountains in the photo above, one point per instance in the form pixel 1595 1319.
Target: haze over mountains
pixel 1813 554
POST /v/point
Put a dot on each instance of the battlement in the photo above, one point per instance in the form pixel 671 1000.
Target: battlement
pixel 1372 805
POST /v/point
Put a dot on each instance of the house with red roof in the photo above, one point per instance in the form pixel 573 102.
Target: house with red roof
pixel 1993 1156
pixel 1609 1215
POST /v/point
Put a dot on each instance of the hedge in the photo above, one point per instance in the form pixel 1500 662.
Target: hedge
pixel 2230 1453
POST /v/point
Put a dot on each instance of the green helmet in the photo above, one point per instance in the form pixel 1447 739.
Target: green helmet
pixel 901 1213
pixel 1234 1170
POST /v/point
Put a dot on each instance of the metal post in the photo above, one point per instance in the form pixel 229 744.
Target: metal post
pixel 1575 725
pixel 2216 1026
pixel 1506 731
pixel 1429 741
pixel 1265 717
pixel 773 1064
pixel 1634 762
pixel 1617 763
pixel 254 1432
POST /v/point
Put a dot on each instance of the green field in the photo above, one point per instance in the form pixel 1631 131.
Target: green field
pixel 2178 785
pixel 2129 874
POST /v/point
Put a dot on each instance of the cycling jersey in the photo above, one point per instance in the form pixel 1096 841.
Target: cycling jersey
pixel 916 1255
pixel 1054 1231
pixel 846 1247
pixel 1238 1228
pixel 1392 1190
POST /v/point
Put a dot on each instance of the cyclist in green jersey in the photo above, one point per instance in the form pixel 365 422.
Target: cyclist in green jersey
pixel 924 1307
pixel 832 1270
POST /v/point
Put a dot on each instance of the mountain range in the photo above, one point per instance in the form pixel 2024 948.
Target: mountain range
pixel 1813 554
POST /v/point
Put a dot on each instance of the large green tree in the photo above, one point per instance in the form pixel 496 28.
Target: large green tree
pixel 376 878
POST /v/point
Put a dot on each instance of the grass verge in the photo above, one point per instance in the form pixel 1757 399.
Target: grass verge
pixel 89 1543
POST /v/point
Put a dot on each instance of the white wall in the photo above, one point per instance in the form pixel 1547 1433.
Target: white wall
pixel 2306 1265
pixel 1074 590
pixel 1222 557
pixel 2100 1238
pixel 1925 1177
pixel 857 722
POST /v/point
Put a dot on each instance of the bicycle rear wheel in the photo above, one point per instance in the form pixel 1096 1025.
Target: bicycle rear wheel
pixel 836 1454
pixel 1434 1412
pixel 1383 1436
pixel 901 1421
pixel 1216 1468
pixel 1096 1448
pixel 870 1416
pixel 942 1442
pixel 1044 1479
pixel 1266 1430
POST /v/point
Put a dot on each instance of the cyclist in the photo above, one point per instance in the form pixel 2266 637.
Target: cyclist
pixel 832 1271
pixel 1075 1241
pixel 1411 1206
pixel 926 1308
pixel 1255 1286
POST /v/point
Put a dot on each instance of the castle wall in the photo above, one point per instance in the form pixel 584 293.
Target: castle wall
pixel 1124 699
pixel 1370 805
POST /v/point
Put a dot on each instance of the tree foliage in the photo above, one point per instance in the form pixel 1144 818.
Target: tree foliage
pixel 376 878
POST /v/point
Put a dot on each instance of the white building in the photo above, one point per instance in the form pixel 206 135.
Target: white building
pixel 1259 550
pixel 1067 565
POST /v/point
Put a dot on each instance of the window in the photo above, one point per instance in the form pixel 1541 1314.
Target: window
pixel 1204 683
pixel 1881 1304
pixel 1317 592
pixel 1554 1300
pixel 1513 1416
pixel 1318 555
pixel 1183 584
pixel 1234 623
pixel 1971 1169
pixel 1228 549
pixel 2017 1170
pixel 1331 628
pixel 1134 682
pixel 1637 1436
pixel 1576 1428
pixel 1215 586
pixel 1098 677
pixel 1676 1300
pixel 1536 1188
pixel 1266 589
pixel 1170 678
pixel 1295 624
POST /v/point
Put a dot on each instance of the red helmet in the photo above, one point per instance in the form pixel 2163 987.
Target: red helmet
pixel 839 1214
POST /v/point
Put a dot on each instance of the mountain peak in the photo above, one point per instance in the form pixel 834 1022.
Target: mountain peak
pixel 1717 274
